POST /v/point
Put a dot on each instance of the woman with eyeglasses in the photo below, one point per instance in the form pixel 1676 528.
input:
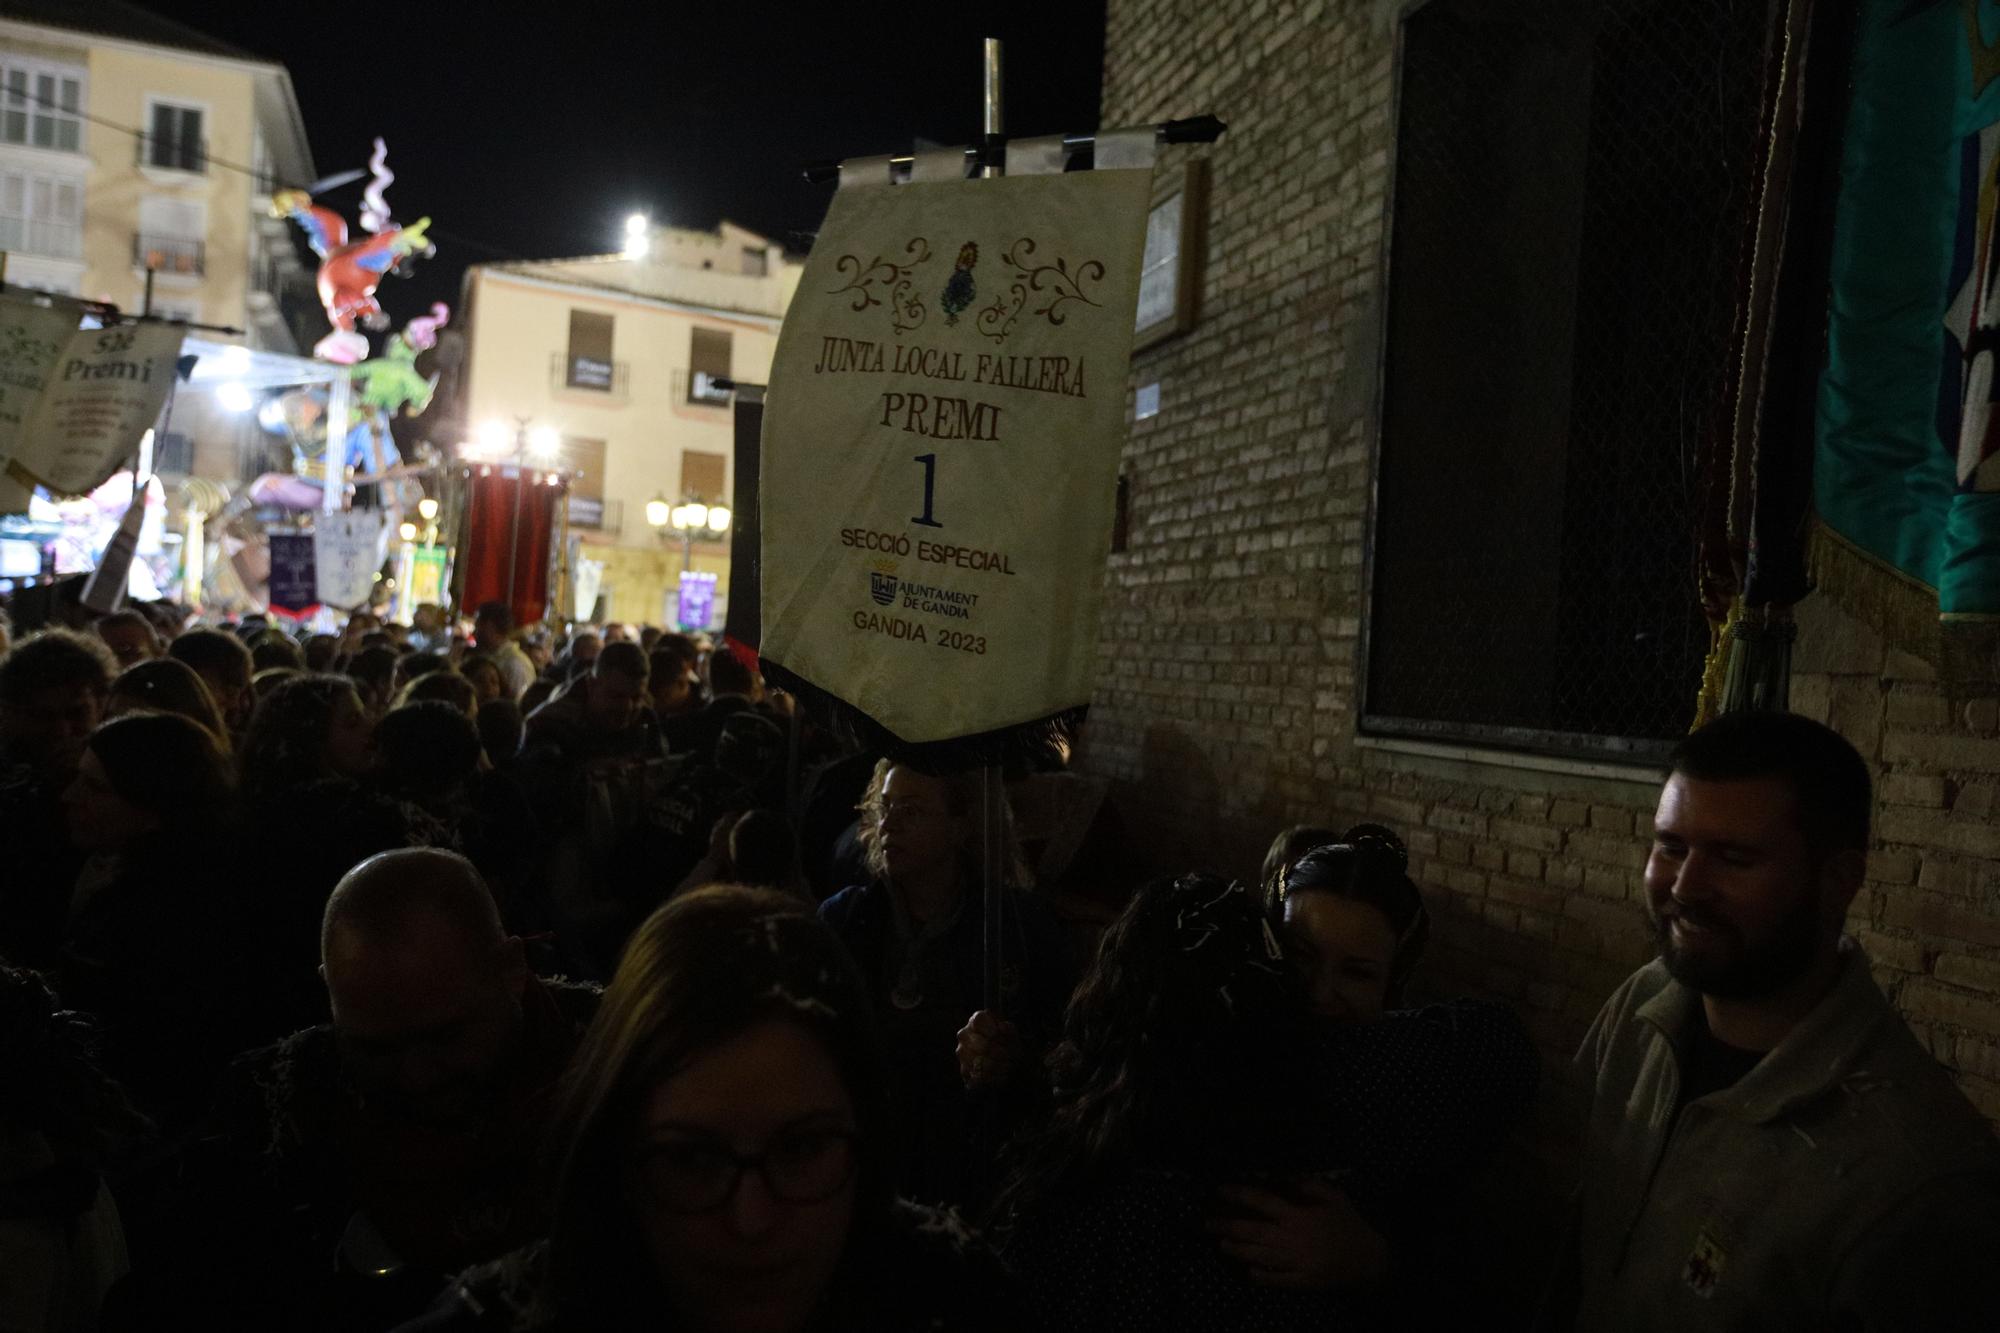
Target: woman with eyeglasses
pixel 724 1155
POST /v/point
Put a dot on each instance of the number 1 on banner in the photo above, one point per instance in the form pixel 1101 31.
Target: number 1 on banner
pixel 930 486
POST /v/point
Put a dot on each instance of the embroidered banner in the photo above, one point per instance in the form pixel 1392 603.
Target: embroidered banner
pixel 1906 488
pixel 940 447
pixel 103 392
pixel 32 336
pixel 294 586
pixel 347 555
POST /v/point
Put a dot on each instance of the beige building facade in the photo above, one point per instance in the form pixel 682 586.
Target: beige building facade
pixel 617 355
pixel 131 143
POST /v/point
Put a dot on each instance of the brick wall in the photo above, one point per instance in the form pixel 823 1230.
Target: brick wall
pixel 1229 623
pixel 1227 694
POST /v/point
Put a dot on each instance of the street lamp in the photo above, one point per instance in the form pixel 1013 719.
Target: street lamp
pixel 691 519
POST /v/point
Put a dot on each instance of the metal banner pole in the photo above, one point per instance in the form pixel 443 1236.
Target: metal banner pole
pixel 333 493
pixel 514 530
pixel 992 789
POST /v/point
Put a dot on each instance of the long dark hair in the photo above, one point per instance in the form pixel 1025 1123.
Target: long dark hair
pixel 1188 1046
pixel 701 969
pixel 163 685
pixel 172 766
pixel 285 746
pixel 1369 864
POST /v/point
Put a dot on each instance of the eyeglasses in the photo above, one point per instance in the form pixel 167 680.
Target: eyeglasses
pixel 806 1167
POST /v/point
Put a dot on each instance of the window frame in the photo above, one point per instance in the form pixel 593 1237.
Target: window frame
pixel 690 490
pixel 153 103
pixel 55 181
pixel 1642 753
pixel 32 111
pixel 571 357
pixel 714 397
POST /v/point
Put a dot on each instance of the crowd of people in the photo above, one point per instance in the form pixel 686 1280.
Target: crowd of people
pixel 405 978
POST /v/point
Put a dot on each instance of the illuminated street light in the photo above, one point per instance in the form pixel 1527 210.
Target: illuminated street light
pixel 691 519
pixel 427 509
pixel 494 437
pixel 544 442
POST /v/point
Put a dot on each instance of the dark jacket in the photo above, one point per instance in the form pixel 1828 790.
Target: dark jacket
pixel 153 955
pixel 926 1273
pixel 281 1206
pixel 593 793
pixel 42 867
pixel 1404 1109
pixel 696 733
pixel 949 1135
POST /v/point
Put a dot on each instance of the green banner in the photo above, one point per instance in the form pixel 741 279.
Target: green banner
pixel 1907 489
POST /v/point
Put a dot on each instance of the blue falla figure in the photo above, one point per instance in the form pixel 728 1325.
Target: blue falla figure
pixel 958 289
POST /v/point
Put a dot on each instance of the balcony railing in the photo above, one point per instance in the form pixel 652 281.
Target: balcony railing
pixel 169 254
pixel 173 154
pixel 699 387
pixel 606 516
pixel 31 236
pixel 584 374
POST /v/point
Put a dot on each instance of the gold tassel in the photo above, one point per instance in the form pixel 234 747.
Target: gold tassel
pixel 1715 672
pixel 1904 610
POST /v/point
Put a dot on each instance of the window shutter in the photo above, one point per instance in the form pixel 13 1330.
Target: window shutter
pixel 161 150
pixel 703 476
pixel 708 361
pixel 590 364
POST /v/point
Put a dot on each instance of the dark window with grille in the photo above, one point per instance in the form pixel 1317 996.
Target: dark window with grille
pixel 590 365
pixel 175 142
pixel 708 361
pixel 1570 192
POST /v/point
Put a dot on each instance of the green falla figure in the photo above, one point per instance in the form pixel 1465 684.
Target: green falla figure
pixel 390 381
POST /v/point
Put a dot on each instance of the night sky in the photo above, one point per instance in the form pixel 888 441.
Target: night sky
pixel 535 138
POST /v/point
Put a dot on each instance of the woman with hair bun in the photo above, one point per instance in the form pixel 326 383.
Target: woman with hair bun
pixel 1355 921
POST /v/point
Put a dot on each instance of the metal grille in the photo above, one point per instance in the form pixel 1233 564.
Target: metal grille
pixel 1571 187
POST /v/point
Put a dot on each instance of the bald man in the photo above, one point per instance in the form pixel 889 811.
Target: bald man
pixel 403 1136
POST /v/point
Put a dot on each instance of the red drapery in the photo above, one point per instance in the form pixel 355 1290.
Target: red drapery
pixel 494 539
